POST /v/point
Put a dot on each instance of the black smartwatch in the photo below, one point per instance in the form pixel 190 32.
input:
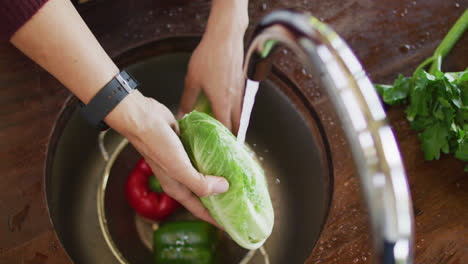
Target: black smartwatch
pixel 106 99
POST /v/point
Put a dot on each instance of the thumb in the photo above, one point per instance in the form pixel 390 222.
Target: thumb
pixel 216 185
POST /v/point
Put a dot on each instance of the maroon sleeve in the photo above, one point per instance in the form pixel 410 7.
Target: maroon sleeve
pixel 14 14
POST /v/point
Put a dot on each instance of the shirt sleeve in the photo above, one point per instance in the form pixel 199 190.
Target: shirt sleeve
pixel 14 14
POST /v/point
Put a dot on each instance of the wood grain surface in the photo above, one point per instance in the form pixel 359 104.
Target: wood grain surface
pixel 388 36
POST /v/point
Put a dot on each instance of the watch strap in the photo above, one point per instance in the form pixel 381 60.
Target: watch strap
pixel 107 99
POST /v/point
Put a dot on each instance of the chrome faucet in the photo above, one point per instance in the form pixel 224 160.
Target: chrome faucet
pixel 373 144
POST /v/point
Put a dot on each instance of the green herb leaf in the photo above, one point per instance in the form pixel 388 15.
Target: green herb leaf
pixel 420 94
pixel 434 139
pixel 396 93
pixel 438 107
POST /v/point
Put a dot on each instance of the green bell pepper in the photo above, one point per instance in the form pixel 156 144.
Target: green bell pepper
pixel 185 242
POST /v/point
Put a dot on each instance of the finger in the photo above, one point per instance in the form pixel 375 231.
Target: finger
pixel 189 96
pixel 200 184
pixel 222 111
pixel 236 110
pixel 183 195
pixel 194 205
pixel 170 156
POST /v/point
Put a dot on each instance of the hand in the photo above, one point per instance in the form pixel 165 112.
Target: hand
pixel 152 130
pixel 74 56
pixel 216 65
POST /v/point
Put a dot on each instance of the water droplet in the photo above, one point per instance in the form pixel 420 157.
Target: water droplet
pixel 356 260
pixel 285 51
pixel 404 48
pixel 277 181
pixel 254 144
pixel 328 246
pixel 321 248
pixel 304 71
pixel 264 6
pixel 457 5
pixel 354 227
pixel 364 258
pixel 260 158
pixel 334 238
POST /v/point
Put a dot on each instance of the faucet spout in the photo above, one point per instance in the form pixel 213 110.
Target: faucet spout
pixel 373 144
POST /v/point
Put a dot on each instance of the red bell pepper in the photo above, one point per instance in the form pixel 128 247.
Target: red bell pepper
pixel 147 203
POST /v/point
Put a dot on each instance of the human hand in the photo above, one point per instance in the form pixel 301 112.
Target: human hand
pixel 215 67
pixel 147 124
pixel 152 130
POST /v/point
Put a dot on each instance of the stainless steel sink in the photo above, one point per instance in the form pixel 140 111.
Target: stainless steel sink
pixel 283 132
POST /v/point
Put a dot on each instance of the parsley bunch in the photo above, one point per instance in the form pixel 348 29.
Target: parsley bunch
pixel 438 102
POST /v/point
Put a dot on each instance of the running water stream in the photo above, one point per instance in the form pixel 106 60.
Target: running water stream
pixel 251 89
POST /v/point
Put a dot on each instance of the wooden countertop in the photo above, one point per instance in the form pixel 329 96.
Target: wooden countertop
pixel 389 37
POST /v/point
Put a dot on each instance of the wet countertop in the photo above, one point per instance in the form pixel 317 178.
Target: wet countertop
pixel 388 36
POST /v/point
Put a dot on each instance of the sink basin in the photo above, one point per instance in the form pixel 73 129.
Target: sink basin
pixel 284 132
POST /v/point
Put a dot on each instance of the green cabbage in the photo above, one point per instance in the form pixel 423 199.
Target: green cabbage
pixel 245 211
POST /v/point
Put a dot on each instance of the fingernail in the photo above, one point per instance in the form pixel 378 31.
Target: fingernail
pixel 219 186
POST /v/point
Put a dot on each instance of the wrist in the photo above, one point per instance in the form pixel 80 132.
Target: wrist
pixel 128 116
pixel 228 17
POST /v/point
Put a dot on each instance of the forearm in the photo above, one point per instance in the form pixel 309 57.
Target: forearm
pixel 228 17
pixel 58 39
